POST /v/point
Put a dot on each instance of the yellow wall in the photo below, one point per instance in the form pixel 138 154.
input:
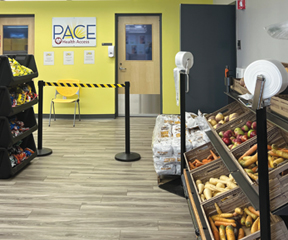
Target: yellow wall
pixel 99 101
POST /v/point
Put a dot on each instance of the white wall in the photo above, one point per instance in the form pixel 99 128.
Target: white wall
pixel 256 43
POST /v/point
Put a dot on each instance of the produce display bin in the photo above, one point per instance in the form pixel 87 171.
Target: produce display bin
pixel 6 137
pixel 237 87
pixel 6 170
pixel 199 153
pixel 214 169
pixel 236 198
pixel 239 122
pixel 278 182
pixel 6 76
pixel 279 104
pixel 233 107
pixel 6 106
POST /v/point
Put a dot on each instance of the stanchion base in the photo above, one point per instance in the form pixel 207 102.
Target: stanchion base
pixel 44 152
pixel 172 184
pixel 127 157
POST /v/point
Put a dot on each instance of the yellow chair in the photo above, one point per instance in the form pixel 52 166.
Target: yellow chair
pixel 69 95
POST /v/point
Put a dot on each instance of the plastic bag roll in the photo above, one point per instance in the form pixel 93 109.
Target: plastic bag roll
pixel 183 61
pixel 276 77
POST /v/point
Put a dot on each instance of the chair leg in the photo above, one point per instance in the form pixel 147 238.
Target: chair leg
pixel 74 114
pixel 54 111
pixel 50 114
pixel 79 110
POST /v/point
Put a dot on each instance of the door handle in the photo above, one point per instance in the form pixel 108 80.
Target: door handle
pixel 187 84
pixel 122 68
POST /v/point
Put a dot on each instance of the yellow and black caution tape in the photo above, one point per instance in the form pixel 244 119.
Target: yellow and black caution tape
pixel 83 85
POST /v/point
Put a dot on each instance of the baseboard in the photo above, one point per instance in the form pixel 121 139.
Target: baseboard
pixel 83 116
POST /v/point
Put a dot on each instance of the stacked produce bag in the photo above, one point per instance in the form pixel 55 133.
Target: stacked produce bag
pixel 166 141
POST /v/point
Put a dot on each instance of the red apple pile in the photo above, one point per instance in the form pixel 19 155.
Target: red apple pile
pixel 234 138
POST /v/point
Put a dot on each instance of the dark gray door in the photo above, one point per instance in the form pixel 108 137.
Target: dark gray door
pixel 208 32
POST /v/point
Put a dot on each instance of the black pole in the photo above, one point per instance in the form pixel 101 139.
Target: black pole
pixel 127 117
pixel 40 111
pixel 264 199
pixel 182 114
pixel 127 156
pixel 41 151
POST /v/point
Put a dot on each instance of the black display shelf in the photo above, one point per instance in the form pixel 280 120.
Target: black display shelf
pixel 282 211
pixel 6 108
pixel 6 137
pixel 6 76
pixel 6 170
pixel 194 193
pixel 241 180
pixel 272 117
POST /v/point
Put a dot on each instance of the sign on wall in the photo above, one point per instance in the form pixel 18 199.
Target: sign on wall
pixel 48 58
pixel 74 32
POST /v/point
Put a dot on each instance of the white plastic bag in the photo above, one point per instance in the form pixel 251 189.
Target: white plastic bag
pixel 278 30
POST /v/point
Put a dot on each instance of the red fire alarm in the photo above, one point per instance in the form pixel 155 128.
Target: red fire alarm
pixel 241 4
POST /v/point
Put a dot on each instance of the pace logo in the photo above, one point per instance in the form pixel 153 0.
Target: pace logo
pixel 74 32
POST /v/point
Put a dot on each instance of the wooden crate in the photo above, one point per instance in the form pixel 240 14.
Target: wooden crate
pixel 236 198
pixel 238 88
pixel 278 184
pixel 238 122
pixel 213 170
pixel 234 107
pixel 199 153
pixel 279 104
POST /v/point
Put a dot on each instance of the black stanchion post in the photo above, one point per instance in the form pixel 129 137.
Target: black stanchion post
pixel 127 156
pixel 264 199
pixel 127 117
pixel 182 113
pixel 41 151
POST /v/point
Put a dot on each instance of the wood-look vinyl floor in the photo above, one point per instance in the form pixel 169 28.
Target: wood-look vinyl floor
pixel 80 191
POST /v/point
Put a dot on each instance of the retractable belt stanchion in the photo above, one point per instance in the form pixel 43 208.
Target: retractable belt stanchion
pixel 41 151
pixel 127 156
pixel 182 113
pixel 264 199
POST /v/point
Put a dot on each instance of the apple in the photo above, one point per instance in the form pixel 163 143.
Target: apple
pixel 238 140
pixel 249 124
pixel 253 134
pixel 222 122
pixel 254 126
pixel 230 146
pixel 227 141
pixel 219 117
pixel 231 138
pixel 221 134
pixel 244 138
pixel 245 128
pixel 235 145
pixel 228 133
pixel 238 131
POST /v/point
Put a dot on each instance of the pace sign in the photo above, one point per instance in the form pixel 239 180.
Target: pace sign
pixel 74 32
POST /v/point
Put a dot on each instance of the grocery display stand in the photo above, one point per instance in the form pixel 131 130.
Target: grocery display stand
pixel 23 113
pixel 197 215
